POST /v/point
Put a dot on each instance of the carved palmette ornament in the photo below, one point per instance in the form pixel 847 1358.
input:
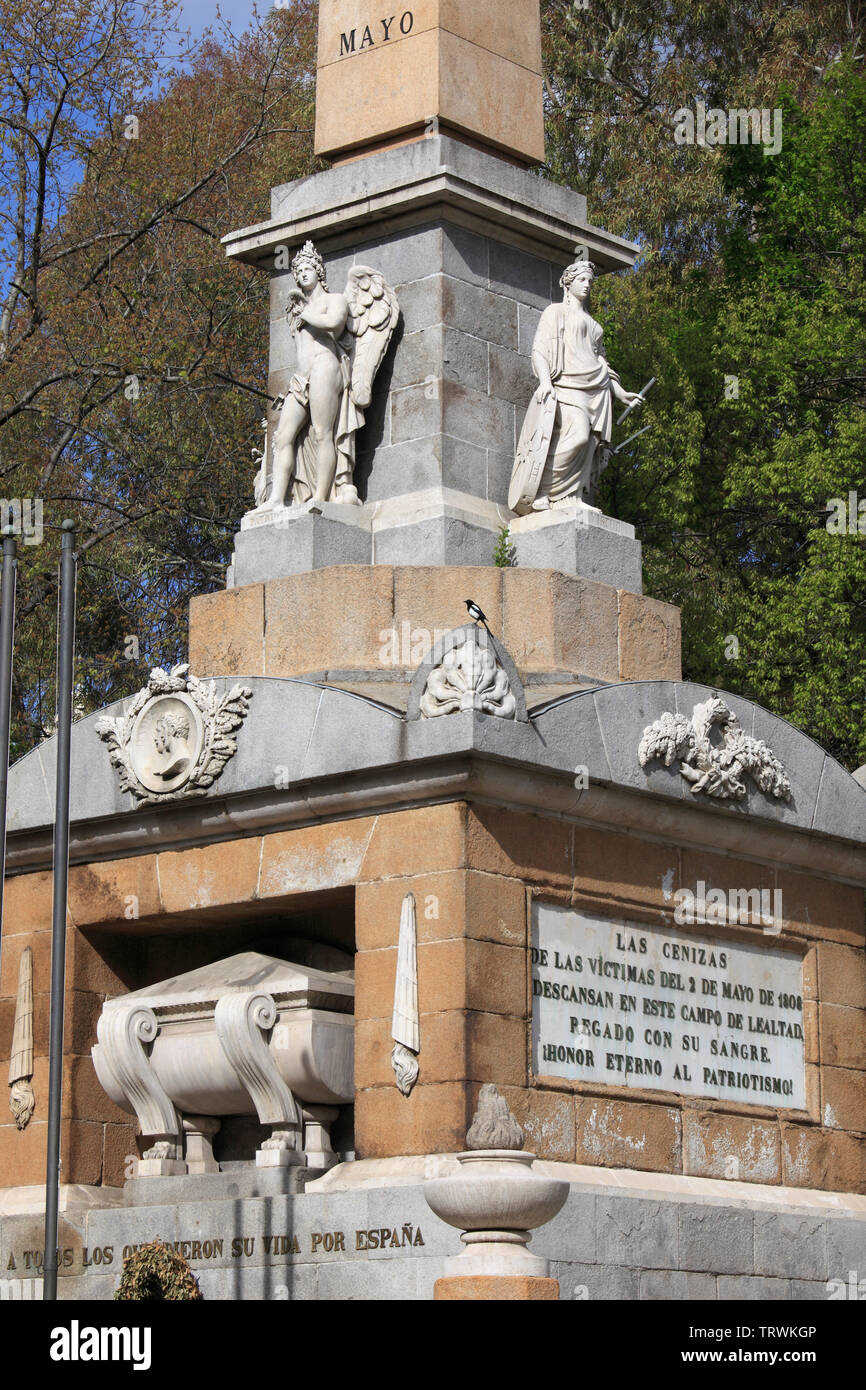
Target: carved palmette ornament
pixel 405 1024
pixel 22 1101
pixel 716 769
pixel 469 677
pixel 176 737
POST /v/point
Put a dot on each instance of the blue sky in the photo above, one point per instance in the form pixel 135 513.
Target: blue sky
pixel 199 13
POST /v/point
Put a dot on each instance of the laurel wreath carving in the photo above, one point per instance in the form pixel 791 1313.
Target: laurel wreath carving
pixel 221 717
pixel 717 770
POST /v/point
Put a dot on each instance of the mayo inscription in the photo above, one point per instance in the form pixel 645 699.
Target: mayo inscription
pixel 357 40
pixel 626 1005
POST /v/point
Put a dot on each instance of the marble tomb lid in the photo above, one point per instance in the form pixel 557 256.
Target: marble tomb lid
pixel 292 986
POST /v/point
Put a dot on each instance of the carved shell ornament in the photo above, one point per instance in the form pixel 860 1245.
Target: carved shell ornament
pixel 716 769
pixel 468 677
pixel 176 737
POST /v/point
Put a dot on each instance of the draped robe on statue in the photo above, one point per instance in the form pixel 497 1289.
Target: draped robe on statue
pixel 571 341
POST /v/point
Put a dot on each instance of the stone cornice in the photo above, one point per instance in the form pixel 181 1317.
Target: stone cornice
pixel 473 776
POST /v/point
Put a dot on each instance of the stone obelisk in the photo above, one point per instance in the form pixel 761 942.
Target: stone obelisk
pixel 432 120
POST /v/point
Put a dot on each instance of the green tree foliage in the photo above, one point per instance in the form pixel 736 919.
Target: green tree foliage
pixel 132 354
pixel 748 306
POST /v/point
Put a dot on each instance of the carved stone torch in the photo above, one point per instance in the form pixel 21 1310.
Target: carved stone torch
pixel 496 1201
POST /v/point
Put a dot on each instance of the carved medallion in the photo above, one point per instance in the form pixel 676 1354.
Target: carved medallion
pixel 716 769
pixel 176 737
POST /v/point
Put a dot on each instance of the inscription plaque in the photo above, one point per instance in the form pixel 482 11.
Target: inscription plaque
pixel 622 1004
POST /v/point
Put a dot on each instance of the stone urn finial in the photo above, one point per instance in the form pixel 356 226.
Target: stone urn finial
pixel 497 1200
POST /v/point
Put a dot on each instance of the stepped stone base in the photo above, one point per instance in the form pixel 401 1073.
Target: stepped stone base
pixel 368 628
pixel 435 527
pixel 365 1232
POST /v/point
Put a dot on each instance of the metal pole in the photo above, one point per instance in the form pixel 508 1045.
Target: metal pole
pixel 7 631
pixel 65 658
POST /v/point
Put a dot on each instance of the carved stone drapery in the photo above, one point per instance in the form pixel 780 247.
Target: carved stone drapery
pixel 241 1020
pixel 717 770
pixel 405 1024
pixel 22 1101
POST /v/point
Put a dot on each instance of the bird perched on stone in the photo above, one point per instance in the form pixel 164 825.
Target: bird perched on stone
pixel 476 613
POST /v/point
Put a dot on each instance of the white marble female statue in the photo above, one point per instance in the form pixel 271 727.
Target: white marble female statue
pixel 341 340
pixel 570 417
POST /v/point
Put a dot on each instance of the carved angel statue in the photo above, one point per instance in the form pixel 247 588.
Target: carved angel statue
pixel 717 770
pixel 341 340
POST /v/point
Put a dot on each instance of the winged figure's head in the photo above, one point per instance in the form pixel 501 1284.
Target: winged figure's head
pixel 309 256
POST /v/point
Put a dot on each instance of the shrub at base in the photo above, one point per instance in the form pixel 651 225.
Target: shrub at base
pixel 156 1272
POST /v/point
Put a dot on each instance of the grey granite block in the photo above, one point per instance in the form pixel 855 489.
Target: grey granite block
pixel 416 412
pixel 802 760
pixel 475 416
pixel 528 322
pixel 465 255
pixel 511 378
pixel 591 550
pixel 714 1238
pixel 440 353
pixel 403 255
pixel 305 542
pixel 288 709
pixel 846 1247
pixel 435 461
pixel 571 1236
pixel 624 711
pixel 659 1284
pixel 809 1291
pixel 382 1281
pixel 523 277
pixel 121 1226
pixel 499 469
pixel 435 541
pixel 573 724
pixel 283 350
pixel 480 312
pixel 791 1246
pixel 637 1232
pixel 753 1290
pixel 289 1284
pixel 403 1212
pixel 841 805
pixel 33 802
pixel 420 301
pixel 350 733
pixel 595 1282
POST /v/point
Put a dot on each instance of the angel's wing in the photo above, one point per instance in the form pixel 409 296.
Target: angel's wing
pixel 373 315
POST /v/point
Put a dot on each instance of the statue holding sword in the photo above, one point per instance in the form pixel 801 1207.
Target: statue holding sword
pixel 565 441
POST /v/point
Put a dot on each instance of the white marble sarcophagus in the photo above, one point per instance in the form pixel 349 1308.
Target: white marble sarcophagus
pixel 249 1035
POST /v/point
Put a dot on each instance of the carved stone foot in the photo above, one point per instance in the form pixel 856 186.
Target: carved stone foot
pixel 161 1160
pixel 280 1151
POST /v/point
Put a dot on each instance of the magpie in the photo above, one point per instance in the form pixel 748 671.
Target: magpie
pixel 476 613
